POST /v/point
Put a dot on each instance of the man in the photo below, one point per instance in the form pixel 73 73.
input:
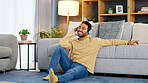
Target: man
pixel 82 54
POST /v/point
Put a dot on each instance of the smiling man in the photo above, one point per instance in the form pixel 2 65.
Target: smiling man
pixel 82 54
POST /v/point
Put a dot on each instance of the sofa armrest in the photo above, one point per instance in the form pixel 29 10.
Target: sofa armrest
pixel 43 56
pixel 8 40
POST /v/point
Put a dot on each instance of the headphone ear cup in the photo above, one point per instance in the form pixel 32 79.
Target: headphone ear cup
pixel 90 31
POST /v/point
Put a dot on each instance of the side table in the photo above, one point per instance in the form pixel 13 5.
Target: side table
pixel 28 43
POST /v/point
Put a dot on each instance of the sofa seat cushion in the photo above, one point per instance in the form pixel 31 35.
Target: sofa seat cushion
pixel 4 64
pixel 107 52
pixel 5 52
pixel 132 52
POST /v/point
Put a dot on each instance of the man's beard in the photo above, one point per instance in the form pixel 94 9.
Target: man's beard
pixel 83 35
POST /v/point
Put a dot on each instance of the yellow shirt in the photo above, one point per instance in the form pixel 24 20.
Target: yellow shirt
pixel 85 52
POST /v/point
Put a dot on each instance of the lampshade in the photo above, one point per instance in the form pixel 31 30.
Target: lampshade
pixel 71 7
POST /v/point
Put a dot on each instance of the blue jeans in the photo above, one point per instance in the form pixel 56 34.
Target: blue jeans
pixel 72 70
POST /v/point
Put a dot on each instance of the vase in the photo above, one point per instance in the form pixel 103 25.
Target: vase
pixel 23 37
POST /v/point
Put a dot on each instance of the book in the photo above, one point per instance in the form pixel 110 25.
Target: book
pixel 142 11
pixel 144 7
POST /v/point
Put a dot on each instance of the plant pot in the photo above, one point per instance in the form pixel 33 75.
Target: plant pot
pixel 23 37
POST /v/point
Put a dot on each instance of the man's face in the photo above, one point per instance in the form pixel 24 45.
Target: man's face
pixel 82 30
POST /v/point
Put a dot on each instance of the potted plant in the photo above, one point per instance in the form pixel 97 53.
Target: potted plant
pixel 94 17
pixel 55 33
pixel 110 10
pixel 23 34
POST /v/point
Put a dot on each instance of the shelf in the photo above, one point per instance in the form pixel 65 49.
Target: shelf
pixel 91 0
pixel 100 0
pixel 109 0
pixel 141 13
pixel 114 14
pixel 131 4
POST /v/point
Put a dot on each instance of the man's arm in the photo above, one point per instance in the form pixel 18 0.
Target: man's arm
pixel 109 42
pixel 65 41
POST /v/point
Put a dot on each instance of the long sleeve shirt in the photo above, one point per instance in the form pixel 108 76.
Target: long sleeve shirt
pixel 85 51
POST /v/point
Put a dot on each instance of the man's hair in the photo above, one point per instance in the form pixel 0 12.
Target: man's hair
pixel 88 24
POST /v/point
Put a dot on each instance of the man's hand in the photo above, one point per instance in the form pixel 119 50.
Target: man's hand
pixel 75 29
pixel 133 42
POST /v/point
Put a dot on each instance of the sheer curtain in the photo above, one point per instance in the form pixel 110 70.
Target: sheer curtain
pixel 16 15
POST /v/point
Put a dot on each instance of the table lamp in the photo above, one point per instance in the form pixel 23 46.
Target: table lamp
pixel 68 8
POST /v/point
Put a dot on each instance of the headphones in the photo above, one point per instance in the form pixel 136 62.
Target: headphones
pixel 90 31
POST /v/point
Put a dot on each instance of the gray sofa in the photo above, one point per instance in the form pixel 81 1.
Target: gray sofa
pixel 122 59
pixel 8 52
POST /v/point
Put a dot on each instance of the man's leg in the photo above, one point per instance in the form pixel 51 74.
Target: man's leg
pixel 59 56
pixel 75 72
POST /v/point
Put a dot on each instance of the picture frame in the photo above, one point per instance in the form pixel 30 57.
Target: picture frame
pixel 119 9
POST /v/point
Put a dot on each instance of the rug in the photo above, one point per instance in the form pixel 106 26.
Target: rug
pixel 20 76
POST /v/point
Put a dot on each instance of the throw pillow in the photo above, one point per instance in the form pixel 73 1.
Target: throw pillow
pixel 95 31
pixel 127 31
pixel 140 32
pixel 111 30
pixel 73 25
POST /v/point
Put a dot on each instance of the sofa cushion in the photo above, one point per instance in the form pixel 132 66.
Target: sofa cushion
pixel 111 30
pixel 5 52
pixel 95 31
pixel 126 35
pixel 107 52
pixel 127 31
pixel 140 32
pixel 73 25
pixel 132 52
